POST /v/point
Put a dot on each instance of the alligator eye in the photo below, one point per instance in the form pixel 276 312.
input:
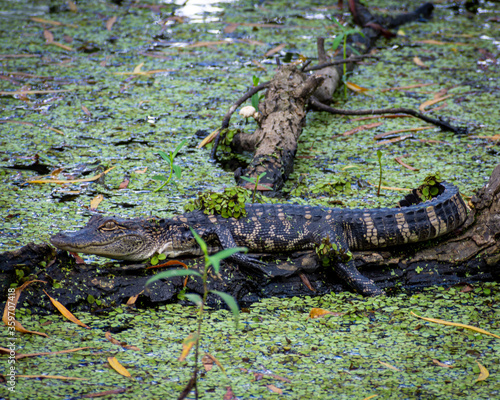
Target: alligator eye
pixel 108 226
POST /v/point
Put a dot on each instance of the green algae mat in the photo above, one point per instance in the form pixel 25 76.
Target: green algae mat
pixel 95 85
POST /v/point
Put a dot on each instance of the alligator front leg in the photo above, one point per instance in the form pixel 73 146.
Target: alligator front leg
pixel 227 241
pixel 332 249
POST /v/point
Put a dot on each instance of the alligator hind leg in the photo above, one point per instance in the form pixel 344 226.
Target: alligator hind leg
pixel 361 284
pixel 334 251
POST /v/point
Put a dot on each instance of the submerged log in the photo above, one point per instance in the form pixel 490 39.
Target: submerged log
pixel 469 255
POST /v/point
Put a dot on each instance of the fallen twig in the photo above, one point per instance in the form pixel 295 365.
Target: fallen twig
pixel 232 109
pixel 442 124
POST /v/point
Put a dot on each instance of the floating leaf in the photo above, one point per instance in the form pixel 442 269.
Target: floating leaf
pixel 49 353
pixel 66 378
pixel 10 310
pixel 428 103
pixel 321 312
pixel 437 362
pixel 65 312
pixel 483 373
pixel 275 50
pixel 389 366
pixel 356 88
pixel 94 203
pixel 275 389
pixel 110 22
pixel 442 322
pixel 419 62
pixel 361 128
pixel 113 362
pixel 93 178
pixel 187 345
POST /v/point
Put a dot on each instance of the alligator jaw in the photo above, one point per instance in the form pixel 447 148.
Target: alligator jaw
pixel 66 241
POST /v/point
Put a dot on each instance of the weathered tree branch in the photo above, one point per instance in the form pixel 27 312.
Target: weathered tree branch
pixel 442 124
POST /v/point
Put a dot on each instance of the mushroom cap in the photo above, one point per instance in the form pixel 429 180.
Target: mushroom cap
pixel 248 111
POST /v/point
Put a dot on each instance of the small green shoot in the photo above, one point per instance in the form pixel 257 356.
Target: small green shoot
pixel 174 168
pixel 255 97
pixel 343 37
pixel 256 183
pixel 200 301
pixel 379 157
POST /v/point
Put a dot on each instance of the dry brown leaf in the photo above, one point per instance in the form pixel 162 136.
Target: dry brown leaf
pixel 9 312
pixel 46 21
pixel 93 178
pixel 407 87
pixel 24 92
pixel 493 138
pixel 362 128
pixel 381 116
pixel 321 312
pixel 275 50
pixel 124 183
pixel 209 138
pixel 138 71
pixel 401 162
pixel 419 62
pixel 3 350
pixel 390 187
pixel 133 299
pixel 187 345
pixel 110 22
pixel 217 362
pixel 356 88
pixel 116 342
pixel 305 281
pixel 442 322
pixel 421 128
pixel 207 362
pixel 105 393
pixel 432 41
pixel 49 37
pixel 62 46
pixel 113 362
pixel 86 111
pixel 389 366
pixel 55 130
pixel 437 362
pixel 141 171
pixel 395 140
pixel 94 203
pixel 72 6
pixel 231 27
pixel 274 389
pixel 12 121
pixel 207 44
pixel 66 378
pixel 483 374
pixel 65 312
pixel 252 42
pixel 19 356
pixel 428 103
pixel 371 397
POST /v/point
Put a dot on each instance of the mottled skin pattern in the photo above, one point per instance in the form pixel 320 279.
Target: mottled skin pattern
pixel 273 228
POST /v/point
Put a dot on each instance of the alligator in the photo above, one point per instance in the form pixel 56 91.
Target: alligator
pixel 275 228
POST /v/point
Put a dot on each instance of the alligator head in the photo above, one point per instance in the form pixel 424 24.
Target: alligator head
pixel 121 239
